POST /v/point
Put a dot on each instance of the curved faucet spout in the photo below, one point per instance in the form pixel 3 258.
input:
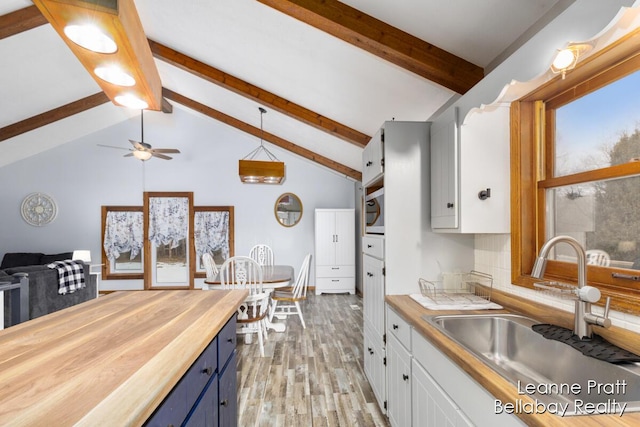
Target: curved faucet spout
pixel 541 262
pixel 583 318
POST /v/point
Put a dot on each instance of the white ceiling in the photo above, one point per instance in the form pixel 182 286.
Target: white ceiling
pixel 275 52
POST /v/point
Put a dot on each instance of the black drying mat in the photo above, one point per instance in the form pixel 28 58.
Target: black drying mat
pixel 596 347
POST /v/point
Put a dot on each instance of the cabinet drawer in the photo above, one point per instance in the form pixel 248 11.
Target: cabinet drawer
pixel 335 271
pixel 399 328
pixel 226 342
pixel 373 245
pixel 335 283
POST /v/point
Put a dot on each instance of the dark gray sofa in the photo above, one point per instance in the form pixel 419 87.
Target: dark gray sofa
pixel 43 283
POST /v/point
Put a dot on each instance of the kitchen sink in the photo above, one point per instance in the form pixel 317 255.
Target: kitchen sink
pixel 559 378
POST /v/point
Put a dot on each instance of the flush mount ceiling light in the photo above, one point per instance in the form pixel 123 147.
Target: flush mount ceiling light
pixel 567 58
pixel 254 171
pixel 104 34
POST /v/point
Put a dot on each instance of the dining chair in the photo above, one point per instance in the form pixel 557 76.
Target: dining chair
pixel 287 302
pixel 209 266
pixel 241 272
pixel 263 254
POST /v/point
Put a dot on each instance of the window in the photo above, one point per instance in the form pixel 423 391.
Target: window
pixel 576 171
pixel 122 237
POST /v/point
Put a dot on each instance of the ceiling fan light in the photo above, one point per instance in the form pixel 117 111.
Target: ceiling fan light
pixel 115 75
pixel 90 37
pixel 131 101
pixel 142 155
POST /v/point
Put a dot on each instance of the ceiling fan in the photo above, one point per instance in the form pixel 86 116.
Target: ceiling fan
pixel 142 150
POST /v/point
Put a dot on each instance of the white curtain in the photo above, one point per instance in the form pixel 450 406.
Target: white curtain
pixel 168 220
pixel 212 232
pixel 123 233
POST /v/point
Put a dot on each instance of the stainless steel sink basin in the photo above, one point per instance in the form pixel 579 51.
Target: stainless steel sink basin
pixel 560 378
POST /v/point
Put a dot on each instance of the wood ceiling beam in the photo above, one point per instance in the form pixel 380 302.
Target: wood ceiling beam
pixel 252 130
pixel 54 115
pixel 257 94
pixel 21 20
pixel 381 39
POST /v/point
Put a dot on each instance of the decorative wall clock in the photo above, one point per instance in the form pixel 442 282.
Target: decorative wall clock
pixel 38 209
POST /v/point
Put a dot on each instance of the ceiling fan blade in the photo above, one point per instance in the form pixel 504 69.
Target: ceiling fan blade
pixel 160 156
pixel 165 150
pixel 113 146
pixel 128 155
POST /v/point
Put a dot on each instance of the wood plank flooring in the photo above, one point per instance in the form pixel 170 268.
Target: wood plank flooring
pixel 309 377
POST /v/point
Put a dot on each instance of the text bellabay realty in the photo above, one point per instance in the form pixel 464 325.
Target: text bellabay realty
pixel 577 406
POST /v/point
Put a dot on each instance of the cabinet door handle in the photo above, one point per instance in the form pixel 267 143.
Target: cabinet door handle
pixel 208 370
pixel 405 377
pixel 230 340
pixel 369 274
pixel 369 163
pixel 224 402
pixel 370 350
pixel 449 205
pixel 395 326
pixel 369 246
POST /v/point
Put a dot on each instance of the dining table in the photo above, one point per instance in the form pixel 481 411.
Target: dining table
pixel 273 276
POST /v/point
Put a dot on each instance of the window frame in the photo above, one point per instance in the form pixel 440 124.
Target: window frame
pixel 532 160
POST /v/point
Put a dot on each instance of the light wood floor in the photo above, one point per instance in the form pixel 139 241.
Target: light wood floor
pixel 309 377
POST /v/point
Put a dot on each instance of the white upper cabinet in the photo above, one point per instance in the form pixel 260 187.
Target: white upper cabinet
pixel 372 159
pixel 470 173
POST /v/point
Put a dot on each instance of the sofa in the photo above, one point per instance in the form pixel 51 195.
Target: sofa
pixel 43 283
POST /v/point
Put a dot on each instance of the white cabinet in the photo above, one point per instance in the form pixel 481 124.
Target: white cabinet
pixel 470 191
pixel 446 395
pixel 431 405
pixel 399 377
pixel 335 251
pixel 374 366
pixel 372 158
pixel 403 249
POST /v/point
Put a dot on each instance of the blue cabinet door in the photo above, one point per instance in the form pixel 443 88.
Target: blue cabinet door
pixel 205 412
pixel 228 394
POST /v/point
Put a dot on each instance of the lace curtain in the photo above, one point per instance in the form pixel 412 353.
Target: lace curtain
pixel 212 232
pixel 168 220
pixel 123 233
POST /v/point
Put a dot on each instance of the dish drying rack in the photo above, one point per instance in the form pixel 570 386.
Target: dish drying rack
pixel 473 287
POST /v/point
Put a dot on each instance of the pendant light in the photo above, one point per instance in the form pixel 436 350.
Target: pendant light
pixel 253 171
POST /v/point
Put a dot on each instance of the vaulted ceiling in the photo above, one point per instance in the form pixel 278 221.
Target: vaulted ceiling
pixel 328 72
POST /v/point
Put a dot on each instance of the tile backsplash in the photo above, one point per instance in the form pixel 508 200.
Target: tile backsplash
pixel 493 256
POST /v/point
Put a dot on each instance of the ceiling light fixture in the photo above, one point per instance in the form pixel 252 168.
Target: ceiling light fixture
pixel 104 33
pixel 142 155
pixel 567 58
pixel 131 101
pixel 115 75
pixel 253 171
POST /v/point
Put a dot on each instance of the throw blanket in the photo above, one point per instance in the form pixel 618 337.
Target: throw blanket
pixel 70 275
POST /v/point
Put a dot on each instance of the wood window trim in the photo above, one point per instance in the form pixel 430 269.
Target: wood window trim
pixel 232 244
pixel 148 275
pixel 106 264
pixel 619 59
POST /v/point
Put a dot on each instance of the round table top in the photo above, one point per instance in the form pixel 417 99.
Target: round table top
pixel 274 275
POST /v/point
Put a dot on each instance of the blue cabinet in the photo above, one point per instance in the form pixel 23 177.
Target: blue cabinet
pixel 206 395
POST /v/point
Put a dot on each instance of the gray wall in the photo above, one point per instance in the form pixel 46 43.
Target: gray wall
pixel 82 177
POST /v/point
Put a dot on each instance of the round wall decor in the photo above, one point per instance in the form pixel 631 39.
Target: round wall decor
pixel 38 209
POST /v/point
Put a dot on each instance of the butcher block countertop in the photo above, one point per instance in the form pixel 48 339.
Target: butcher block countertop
pixel 109 361
pixel 500 388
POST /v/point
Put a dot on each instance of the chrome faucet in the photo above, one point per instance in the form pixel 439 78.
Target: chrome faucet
pixel 583 318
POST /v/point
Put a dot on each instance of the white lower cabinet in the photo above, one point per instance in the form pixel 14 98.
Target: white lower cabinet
pixel 446 395
pixel 399 381
pixel 431 405
pixel 374 365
